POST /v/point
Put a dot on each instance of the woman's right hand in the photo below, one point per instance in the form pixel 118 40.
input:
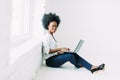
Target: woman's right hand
pixel 60 52
pixel 64 49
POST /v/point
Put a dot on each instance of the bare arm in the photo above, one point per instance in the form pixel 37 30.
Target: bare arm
pixel 54 50
pixel 59 50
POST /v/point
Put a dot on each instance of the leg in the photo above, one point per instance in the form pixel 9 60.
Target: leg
pixel 58 60
pixel 75 59
pixel 87 65
pixel 82 61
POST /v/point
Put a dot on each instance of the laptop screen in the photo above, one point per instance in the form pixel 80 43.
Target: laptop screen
pixel 79 46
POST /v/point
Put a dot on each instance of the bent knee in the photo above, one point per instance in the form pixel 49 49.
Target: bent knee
pixel 69 56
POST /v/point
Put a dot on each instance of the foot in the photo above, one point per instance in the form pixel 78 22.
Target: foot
pixel 100 67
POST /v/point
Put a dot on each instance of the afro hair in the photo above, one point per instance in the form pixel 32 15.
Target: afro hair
pixel 47 18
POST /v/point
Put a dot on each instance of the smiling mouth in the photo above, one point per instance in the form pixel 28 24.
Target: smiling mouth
pixel 54 29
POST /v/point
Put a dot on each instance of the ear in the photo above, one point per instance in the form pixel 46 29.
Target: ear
pixel 48 27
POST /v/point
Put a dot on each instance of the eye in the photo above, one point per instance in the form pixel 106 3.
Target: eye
pixel 54 26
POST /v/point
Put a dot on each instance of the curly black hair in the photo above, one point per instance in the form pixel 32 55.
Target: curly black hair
pixel 47 18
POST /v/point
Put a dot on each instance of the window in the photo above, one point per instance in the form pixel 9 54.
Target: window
pixel 25 15
pixel 21 21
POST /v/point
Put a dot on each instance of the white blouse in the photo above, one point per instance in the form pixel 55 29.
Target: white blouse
pixel 48 43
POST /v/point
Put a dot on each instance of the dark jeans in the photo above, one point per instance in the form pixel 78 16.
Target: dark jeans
pixel 75 59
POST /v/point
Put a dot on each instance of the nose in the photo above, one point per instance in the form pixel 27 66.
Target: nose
pixel 55 27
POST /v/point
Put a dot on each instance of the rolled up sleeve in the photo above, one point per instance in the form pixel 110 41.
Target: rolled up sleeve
pixel 46 45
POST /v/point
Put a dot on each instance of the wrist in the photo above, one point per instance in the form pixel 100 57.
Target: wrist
pixel 58 49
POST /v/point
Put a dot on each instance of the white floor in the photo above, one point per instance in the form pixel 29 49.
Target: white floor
pixel 69 72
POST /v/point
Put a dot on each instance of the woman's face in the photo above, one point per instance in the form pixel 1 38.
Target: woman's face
pixel 52 27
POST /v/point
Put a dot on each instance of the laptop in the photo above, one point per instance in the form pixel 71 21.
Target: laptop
pixel 79 45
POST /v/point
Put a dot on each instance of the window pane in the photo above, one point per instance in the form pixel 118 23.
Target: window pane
pixel 20 17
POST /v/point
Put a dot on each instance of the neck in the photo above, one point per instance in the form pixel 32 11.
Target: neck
pixel 50 33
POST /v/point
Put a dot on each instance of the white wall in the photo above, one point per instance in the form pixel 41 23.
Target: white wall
pixel 38 11
pixel 5 19
pixel 95 21
pixel 5 22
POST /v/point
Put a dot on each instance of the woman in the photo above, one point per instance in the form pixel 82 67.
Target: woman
pixel 55 56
